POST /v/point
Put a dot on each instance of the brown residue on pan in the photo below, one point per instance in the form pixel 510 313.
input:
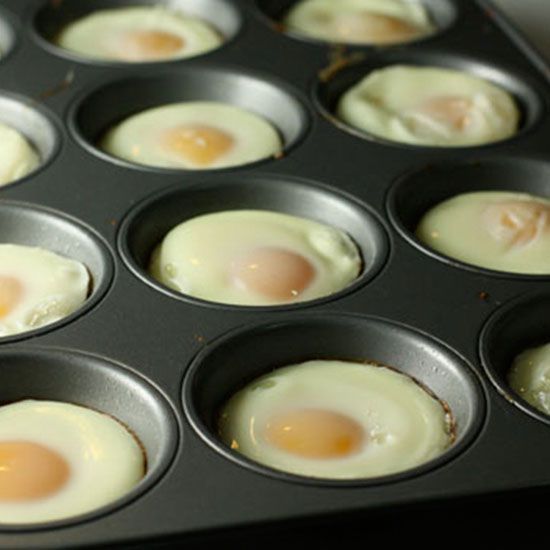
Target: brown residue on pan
pixel 59 87
pixel 483 296
pixel 339 59
pixel 198 338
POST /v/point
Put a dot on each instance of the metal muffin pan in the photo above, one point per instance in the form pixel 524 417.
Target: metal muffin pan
pixel 111 213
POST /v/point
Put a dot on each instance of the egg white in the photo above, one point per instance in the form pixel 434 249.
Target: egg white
pixel 194 257
pixel 458 227
pixel 100 34
pixel 53 287
pixel 315 18
pixel 139 138
pixel 386 104
pixel 405 425
pixel 105 460
pixel 17 156
pixel 529 377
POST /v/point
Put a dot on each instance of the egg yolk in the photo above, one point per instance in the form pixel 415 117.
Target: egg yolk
pixel 516 223
pixel 273 272
pixel 145 45
pixel 315 433
pixel 201 145
pixel 372 27
pixel 30 471
pixel 11 291
pixel 452 111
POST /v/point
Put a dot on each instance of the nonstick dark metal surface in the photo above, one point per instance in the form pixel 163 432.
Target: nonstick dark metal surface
pixel 164 363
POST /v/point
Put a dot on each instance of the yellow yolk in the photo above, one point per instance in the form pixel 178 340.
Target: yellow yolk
pixel 149 45
pixel 273 272
pixel 315 433
pixel 372 27
pixel 11 291
pixel 516 223
pixel 30 471
pixel 453 111
pixel 201 145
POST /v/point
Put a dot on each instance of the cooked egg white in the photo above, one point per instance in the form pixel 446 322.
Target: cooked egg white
pixel 336 420
pixel 195 135
pixel 529 377
pixel 59 460
pixel 139 34
pixel 430 106
pixel 17 156
pixel 38 287
pixel 359 21
pixel 255 257
pixel 492 229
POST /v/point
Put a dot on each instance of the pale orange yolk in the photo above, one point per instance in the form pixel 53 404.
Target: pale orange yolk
pixel 373 28
pixel 273 272
pixel 315 433
pixel 201 145
pixel 30 471
pixel 149 45
pixel 516 223
pixel 11 291
pixel 453 111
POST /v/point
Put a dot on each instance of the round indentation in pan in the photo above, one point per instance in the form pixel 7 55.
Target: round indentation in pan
pixel 442 14
pixel 53 17
pixel 147 224
pixel 228 364
pixel 414 194
pixel 333 82
pixel 110 104
pixel 99 384
pixel 519 325
pixel 33 122
pixel 31 225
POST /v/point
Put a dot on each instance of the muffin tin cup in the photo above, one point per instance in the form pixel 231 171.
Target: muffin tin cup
pixel 34 122
pixel 415 194
pixel 113 102
pixel 235 359
pixel 36 226
pixel 147 224
pixel 442 13
pixel 99 384
pixel 519 325
pixel 52 17
pixel 332 84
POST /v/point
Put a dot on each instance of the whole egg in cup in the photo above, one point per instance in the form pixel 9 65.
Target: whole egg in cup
pixel 497 230
pixel 139 34
pixel 336 420
pixel 59 460
pixel 17 156
pixel 359 21
pixel 38 287
pixel 195 135
pixel 255 257
pixel 429 106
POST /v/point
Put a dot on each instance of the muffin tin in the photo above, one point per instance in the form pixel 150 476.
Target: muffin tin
pixel 163 362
